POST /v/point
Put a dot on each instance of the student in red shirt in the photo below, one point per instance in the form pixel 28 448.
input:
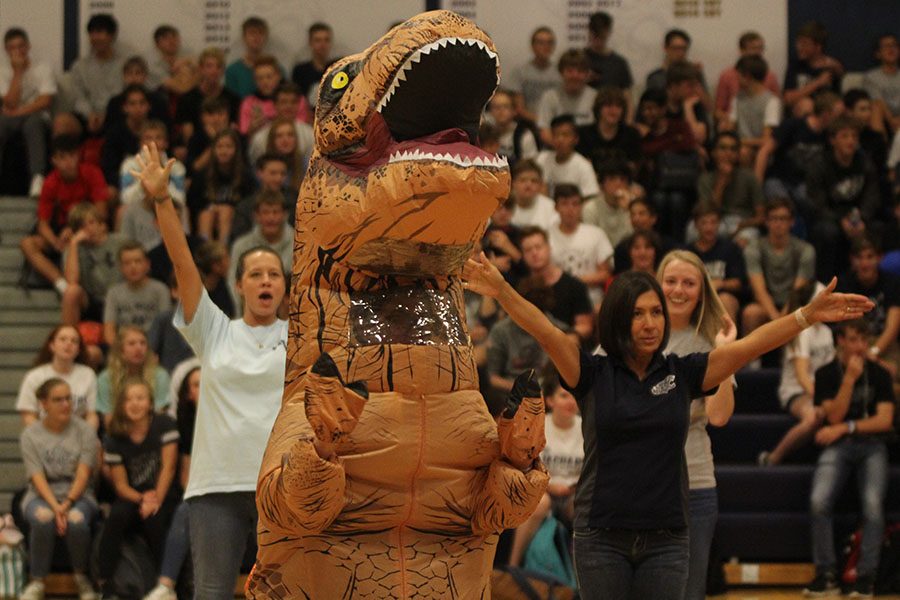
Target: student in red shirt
pixel 70 183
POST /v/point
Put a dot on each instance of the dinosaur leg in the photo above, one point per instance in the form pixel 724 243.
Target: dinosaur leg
pixel 514 483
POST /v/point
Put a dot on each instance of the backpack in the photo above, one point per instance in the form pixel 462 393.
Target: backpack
pixel 548 553
pixel 136 572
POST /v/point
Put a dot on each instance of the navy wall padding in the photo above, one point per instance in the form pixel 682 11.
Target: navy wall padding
pixel 757 391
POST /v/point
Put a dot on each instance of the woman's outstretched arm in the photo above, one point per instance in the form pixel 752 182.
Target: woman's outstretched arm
pixel 482 277
pixel 154 178
pixel 826 307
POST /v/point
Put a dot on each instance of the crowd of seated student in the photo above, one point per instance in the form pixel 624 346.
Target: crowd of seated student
pixel 772 186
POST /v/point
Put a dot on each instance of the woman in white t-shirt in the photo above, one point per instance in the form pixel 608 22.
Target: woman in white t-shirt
pixel 813 348
pixel 61 356
pixel 563 455
pixel 243 363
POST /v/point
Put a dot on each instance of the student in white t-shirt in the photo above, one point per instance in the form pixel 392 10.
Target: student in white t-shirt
pixel 563 164
pixel 240 392
pixel 581 250
pixel 813 348
pixel 563 455
pixel 573 97
pixel 62 356
pixel 532 207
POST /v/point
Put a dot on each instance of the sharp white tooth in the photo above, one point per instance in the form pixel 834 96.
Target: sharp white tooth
pixel 478 162
pixel 415 58
pixel 471 42
pixel 401 76
pixel 481 44
pixel 453 40
pixel 442 43
pixel 456 158
pixel 409 65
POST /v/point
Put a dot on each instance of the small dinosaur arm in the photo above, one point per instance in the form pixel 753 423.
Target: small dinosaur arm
pixel 396 484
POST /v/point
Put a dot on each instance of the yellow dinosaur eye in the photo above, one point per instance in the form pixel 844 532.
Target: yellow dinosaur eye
pixel 340 81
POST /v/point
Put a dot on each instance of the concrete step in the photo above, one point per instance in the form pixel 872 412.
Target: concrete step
pixel 6 501
pixel 10 379
pixel 11 358
pixel 11 239
pixel 10 451
pixel 27 299
pixel 12 476
pixel 25 337
pixel 8 401
pixel 17 204
pixel 17 221
pixel 25 315
pixel 10 426
pixel 10 256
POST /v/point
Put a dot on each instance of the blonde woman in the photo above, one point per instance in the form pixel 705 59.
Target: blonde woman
pixel 130 357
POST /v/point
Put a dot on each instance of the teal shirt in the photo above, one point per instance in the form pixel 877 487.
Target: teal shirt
pixel 239 78
pixel 105 400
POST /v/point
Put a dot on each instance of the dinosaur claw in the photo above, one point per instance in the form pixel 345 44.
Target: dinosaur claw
pixel 326 367
pixel 525 386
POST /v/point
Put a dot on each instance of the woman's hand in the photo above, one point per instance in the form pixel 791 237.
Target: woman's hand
pixel 149 504
pixel 482 277
pixel 829 307
pixel 154 177
pixel 728 333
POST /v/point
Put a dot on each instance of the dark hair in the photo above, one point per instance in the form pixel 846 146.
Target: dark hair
pixel 135 61
pixel 155 125
pixel 566 190
pixel 214 105
pixel 542 29
pixel 534 289
pixel 185 385
pixel 748 38
pixel 676 33
pixel 254 23
pixel 814 31
pixel 524 165
pixel 855 95
pixel 780 202
pixel 45 355
pixel 130 246
pixel 652 238
pixel 103 22
pixel 607 95
pixel 208 254
pixel 600 21
pixel 187 410
pixel 231 174
pixel 824 102
pixel 727 134
pixel 287 87
pixel 622 295
pixel 488 133
pixel 266 60
pixel 268 198
pixel 654 96
pixel 162 31
pixel 680 71
pixel 268 157
pixel 863 243
pixel 613 168
pixel 754 67
pixel 242 259
pixel 860 326
pixel 646 203
pixel 843 122
pixel 65 144
pixel 566 119
pixel 550 380
pixel 317 27
pixel 702 209
pixel 575 59
pixel 43 390
pixel 133 88
pixel 530 230
pixel 12 33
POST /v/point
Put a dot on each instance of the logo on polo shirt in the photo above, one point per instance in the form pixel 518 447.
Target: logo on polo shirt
pixel 664 387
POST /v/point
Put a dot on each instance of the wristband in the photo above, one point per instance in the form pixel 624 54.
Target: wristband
pixel 851 427
pixel 875 351
pixel 801 319
pixel 163 199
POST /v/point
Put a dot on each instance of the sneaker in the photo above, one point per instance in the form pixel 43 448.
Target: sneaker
pixel 37 183
pixel 863 588
pixel 85 587
pixel 161 592
pixel 33 591
pixel 823 585
pixel 763 458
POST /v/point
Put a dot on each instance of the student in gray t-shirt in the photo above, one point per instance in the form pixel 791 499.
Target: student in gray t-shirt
pixel 776 264
pixel 59 454
pixel 137 300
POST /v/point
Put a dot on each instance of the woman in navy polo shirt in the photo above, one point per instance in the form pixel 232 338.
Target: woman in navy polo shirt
pixel 631 538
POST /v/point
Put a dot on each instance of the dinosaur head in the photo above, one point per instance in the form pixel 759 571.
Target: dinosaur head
pixel 399 123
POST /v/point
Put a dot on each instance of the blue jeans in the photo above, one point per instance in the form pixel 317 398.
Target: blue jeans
pixel 704 512
pixel 177 544
pixel 631 564
pixel 42 535
pixel 836 463
pixel 220 525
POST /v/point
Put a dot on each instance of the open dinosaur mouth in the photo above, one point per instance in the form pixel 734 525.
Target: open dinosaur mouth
pixel 443 85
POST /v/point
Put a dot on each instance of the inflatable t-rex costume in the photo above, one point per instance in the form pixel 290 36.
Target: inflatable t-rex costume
pixel 417 482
